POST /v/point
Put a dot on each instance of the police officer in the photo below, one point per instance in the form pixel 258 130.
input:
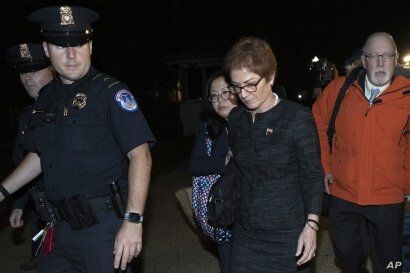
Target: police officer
pixel 89 132
pixel 31 63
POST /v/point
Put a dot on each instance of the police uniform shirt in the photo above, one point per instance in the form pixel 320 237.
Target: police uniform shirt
pixel 97 122
pixel 21 197
pixel 18 150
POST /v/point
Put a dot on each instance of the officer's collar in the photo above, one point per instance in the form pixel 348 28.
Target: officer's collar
pixel 91 73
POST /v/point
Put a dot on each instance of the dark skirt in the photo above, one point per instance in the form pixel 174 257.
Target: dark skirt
pixel 261 251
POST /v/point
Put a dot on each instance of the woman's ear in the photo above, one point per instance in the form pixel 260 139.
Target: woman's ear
pixel 272 79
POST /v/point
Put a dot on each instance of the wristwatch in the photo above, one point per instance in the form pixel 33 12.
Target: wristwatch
pixel 133 217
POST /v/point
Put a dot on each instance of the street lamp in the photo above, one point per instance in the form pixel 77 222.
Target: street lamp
pixel 406 61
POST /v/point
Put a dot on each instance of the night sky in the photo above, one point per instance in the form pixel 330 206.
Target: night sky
pixel 133 38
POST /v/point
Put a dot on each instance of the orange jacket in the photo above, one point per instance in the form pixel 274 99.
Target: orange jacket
pixel 370 159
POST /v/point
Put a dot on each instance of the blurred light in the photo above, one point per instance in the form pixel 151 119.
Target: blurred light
pixel 315 59
pixel 406 60
pixel 301 96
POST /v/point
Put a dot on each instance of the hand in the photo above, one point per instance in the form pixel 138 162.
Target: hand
pixel 128 244
pixel 15 218
pixel 307 244
pixel 328 180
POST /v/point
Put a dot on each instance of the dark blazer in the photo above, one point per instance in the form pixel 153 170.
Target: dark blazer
pixel 278 156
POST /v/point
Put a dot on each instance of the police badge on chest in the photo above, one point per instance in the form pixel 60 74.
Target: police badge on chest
pixel 79 101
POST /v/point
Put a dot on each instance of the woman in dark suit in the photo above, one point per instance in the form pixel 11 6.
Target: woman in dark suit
pixel 276 149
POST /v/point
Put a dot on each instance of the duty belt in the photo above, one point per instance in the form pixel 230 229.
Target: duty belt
pixel 99 203
pixel 80 211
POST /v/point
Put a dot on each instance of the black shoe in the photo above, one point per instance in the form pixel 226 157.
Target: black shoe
pixel 30 264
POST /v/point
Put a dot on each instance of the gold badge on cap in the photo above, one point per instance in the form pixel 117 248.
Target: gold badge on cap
pixel 25 52
pixel 66 15
pixel 80 100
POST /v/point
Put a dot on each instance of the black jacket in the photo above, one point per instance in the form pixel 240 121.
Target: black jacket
pixel 201 164
pixel 279 158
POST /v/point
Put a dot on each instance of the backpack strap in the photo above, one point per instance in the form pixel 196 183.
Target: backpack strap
pixel 348 82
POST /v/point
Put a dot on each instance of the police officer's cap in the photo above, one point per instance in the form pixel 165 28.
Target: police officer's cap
pixel 27 57
pixel 65 25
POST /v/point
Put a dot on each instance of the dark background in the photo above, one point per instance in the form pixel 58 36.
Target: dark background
pixel 133 38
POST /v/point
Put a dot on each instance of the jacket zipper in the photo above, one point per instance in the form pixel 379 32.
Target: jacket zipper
pixel 377 103
pixel 370 107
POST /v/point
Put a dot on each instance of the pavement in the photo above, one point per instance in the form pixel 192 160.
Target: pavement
pixel 170 245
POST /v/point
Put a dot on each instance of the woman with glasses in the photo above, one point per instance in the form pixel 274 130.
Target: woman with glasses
pixel 209 157
pixel 276 150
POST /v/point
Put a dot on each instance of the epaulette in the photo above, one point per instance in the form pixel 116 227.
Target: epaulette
pixel 107 81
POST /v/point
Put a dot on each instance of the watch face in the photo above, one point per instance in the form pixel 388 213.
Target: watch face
pixel 135 218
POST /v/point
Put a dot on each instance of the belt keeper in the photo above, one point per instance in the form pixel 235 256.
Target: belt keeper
pixel 4 192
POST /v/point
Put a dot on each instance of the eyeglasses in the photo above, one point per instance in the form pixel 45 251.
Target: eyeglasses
pixel 225 95
pixel 387 57
pixel 248 88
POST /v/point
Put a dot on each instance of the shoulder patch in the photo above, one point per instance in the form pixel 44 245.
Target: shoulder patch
pixel 106 80
pixel 126 100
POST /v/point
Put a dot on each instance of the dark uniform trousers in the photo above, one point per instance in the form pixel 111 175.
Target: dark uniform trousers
pixel 35 221
pixel 356 228
pixel 89 250
pixel 36 224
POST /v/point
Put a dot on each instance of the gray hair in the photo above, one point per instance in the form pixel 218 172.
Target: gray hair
pixel 379 34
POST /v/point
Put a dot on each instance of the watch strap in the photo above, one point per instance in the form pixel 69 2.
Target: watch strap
pixel 133 217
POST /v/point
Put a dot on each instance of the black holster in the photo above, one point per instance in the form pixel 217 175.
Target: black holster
pixel 117 199
pixel 78 211
pixel 45 209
